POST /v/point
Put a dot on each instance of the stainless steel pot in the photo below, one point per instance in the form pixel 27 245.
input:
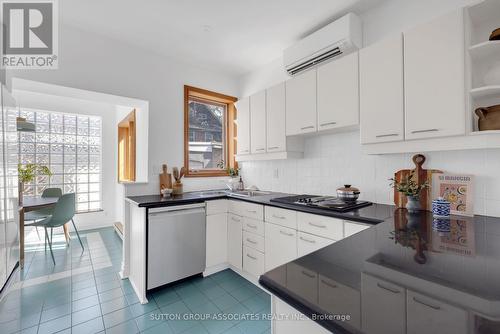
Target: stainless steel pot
pixel 348 193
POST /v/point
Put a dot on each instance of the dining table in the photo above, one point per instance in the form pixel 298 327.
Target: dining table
pixel 31 204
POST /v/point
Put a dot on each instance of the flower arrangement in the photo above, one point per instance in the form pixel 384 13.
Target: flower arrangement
pixel 408 185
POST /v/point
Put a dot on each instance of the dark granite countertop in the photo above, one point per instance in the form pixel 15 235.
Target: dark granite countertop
pixel 372 214
pixel 455 261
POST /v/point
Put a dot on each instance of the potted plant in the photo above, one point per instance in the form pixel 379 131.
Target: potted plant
pixel 27 173
pixel 411 189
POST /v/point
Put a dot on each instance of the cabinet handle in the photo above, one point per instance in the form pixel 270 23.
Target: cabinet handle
pixel 333 286
pixel 279 217
pixel 388 289
pixel 387 135
pixel 260 149
pixel 425 304
pixel 252 226
pixel 252 257
pixel 307 127
pixel 305 273
pixel 244 151
pixel 273 148
pixel 317 225
pixel 427 130
pixel 329 123
pixel 251 241
pixel 252 211
pixel 286 233
pixel 307 240
pixel 235 219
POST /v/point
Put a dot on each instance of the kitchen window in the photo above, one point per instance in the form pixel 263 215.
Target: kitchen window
pixel 209 132
pixel 70 145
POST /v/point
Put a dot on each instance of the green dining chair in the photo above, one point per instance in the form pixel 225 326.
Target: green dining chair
pixel 43 213
pixel 63 212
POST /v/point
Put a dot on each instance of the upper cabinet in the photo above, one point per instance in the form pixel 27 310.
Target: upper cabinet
pixel 243 120
pixel 301 104
pixel 434 58
pixel 338 93
pixel 381 91
pixel 275 118
pixel 258 122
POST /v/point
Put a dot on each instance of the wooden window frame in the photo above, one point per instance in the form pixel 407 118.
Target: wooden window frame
pixel 231 130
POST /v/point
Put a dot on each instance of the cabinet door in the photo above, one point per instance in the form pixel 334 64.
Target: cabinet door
pixel 435 78
pixel 427 315
pixel 281 245
pixel 301 104
pixel 216 239
pixel 253 261
pixel 234 240
pixel 389 319
pixel 308 243
pixel 243 121
pixel 338 93
pixel 258 122
pixel 381 91
pixel 353 228
pixel 276 115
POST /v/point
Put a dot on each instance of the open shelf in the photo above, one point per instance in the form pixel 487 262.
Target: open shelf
pixel 485 50
pixel 485 91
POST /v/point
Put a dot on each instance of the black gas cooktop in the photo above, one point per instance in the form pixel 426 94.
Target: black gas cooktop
pixel 323 202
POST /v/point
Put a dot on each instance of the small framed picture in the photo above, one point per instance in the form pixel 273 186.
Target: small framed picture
pixel 456 189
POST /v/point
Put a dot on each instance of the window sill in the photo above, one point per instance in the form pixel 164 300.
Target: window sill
pixel 205 174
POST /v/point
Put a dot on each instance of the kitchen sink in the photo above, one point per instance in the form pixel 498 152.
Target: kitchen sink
pixel 248 193
pixel 213 193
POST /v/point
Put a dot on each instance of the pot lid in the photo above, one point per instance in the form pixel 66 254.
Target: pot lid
pixel 347 188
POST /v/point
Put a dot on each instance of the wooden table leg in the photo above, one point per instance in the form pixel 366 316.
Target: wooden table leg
pixel 66 233
pixel 21 237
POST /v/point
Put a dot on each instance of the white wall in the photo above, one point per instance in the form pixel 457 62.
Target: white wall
pixel 333 160
pixel 96 63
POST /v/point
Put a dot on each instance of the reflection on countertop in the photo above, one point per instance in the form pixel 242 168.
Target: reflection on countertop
pixel 417 260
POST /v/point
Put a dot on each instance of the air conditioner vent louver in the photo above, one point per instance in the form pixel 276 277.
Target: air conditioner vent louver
pixel 319 59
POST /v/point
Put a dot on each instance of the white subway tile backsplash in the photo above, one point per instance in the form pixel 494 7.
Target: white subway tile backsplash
pixel 333 160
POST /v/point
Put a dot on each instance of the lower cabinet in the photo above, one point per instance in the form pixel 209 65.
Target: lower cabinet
pixel 290 321
pixel 253 261
pixel 383 306
pixel 427 315
pixel 302 282
pixel 234 240
pixel 308 243
pixel 280 244
pixel 353 228
pixel 216 239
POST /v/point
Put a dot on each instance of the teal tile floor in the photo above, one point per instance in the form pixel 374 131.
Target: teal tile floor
pixel 83 293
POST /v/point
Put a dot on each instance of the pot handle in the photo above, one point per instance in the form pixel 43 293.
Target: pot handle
pixel 481 112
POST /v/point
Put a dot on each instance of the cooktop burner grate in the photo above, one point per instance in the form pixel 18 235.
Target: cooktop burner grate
pixel 324 202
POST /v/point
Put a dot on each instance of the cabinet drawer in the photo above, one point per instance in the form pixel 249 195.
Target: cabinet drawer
pixel 308 243
pixel 283 217
pixel 337 298
pixel 353 228
pixel 281 245
pixel 253 225
pixel 245 209
pixel 428 315
pixel 322 226
pixel 254 241
pixel 302 281
pixel 216 206
pixel 253 261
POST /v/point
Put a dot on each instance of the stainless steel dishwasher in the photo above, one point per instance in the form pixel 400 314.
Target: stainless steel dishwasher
pixel 176 243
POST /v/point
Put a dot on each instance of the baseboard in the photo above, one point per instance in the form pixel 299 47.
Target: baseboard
pixel 252 279
pixel 215 269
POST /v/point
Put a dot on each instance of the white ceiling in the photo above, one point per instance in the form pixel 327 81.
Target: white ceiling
pixel 231 36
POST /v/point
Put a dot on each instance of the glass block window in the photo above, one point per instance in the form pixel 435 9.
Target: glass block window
pixel 70 145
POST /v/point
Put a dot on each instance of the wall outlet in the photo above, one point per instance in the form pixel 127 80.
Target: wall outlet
pixel 276 173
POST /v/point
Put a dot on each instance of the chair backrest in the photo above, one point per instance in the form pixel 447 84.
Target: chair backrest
pixel 64 210
pixel 52 192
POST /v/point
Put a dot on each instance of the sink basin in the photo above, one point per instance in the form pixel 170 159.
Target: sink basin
pixel 248 193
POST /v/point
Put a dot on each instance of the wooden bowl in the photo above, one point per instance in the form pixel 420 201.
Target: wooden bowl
pixel 495 35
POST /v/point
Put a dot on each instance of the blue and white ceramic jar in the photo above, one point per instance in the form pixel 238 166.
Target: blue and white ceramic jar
pixel 441 207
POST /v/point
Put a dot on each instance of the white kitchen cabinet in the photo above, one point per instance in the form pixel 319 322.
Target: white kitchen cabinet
pixel 243 122
pixel 338 93
pixel 234 240
pixel 283 217
pixel 253 261
pixel 383 306
pixel 292 321
pixel 427 315
pixel 381 91
pixel 353 228
pixel 434 68
pixel 216 252
pixel 254 241
pixel 327 227
pixel 275 118
pixel 246 209
pixel 258 123
pixel 301 104
pixel 280 244
pixel 308 243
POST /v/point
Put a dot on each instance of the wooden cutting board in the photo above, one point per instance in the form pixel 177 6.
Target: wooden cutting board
pixel 421 175
pixel 165 178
